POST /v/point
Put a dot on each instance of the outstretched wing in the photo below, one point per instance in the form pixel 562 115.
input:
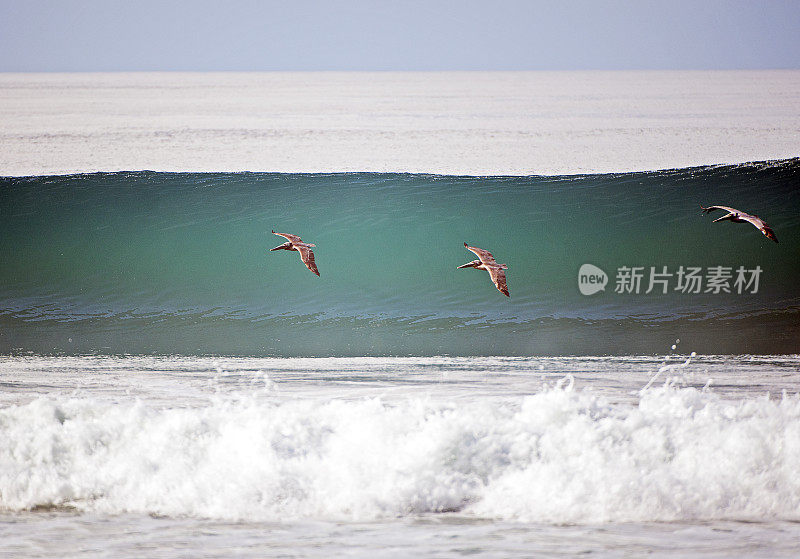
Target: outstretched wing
pixel 484 255
pixel 710 209
pixel 288 237
pixel 307 255
pixel 759 224
pixel 499 279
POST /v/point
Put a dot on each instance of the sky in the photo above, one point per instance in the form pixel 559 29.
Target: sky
pixel 301 35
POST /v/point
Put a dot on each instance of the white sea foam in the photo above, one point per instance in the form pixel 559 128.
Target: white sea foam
pixel 474 123
pixel 559 455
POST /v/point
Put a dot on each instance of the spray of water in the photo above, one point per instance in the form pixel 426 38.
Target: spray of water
pixel 666 366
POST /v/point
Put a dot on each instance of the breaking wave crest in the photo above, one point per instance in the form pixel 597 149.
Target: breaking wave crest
pixel 560 455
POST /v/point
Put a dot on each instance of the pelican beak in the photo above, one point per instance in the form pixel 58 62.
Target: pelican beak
pixel 276 248
pixel 467 265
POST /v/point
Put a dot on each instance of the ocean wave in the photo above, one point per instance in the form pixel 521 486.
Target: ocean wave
pixel 178 262
pixel 559 456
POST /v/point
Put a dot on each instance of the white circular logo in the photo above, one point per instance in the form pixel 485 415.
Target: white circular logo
pixel 591 279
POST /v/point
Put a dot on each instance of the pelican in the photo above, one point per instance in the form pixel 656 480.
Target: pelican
pixel 740 217
pixel 488 263
pixel 293 242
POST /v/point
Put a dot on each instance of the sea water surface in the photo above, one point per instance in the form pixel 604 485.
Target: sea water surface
pixel 447 123
pixel 168 387
pixel 178 263
pixel 391 457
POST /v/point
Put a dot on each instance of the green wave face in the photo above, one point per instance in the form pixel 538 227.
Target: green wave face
pixel 179 263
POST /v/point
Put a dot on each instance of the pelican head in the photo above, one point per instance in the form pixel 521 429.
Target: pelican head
pixel 473 264
pixel 285 246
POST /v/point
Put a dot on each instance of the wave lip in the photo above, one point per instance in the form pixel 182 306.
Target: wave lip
pixel 557 456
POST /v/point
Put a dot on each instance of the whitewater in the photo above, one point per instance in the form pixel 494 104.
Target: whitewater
pixel 169 388
pixel 394 456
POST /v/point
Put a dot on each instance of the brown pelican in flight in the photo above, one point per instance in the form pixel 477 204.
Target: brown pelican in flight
pixel 293 242
pixel 740 217
pixel 488 263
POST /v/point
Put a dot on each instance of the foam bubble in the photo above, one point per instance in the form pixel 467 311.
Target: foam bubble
pixel 562 455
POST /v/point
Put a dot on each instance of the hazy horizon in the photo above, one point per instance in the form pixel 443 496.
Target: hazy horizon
pixel 356 35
